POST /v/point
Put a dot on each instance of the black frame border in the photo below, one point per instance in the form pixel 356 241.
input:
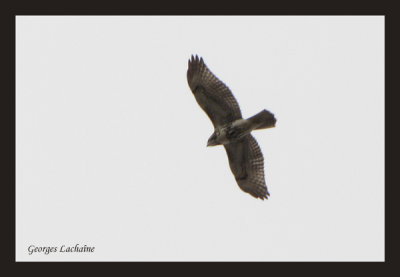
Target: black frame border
pixel 203 8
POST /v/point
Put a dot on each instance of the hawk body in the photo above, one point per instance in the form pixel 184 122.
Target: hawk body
pixel 230 129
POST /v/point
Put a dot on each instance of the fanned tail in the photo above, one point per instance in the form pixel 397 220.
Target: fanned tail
pixel 263 120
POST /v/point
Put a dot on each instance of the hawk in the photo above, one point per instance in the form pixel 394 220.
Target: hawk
pixel 230 129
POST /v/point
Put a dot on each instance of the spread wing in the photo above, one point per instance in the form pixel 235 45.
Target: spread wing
pixel 213 96
pixel 247 165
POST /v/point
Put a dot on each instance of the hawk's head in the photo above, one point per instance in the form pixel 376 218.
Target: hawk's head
pixel 213 140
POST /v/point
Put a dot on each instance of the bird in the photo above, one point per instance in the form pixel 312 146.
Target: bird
pixel 231 130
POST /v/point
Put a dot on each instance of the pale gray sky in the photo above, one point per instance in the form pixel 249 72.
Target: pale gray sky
pixel 111 144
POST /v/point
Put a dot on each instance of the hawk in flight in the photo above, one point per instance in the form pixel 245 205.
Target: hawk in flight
pixel 230 129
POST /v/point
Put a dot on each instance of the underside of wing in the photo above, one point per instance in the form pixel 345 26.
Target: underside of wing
pixel 213 96
pixel 247 165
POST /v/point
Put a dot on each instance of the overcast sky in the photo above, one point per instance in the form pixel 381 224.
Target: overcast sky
pixel 111 144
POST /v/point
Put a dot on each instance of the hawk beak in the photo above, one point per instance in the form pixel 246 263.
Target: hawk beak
pixel 211 143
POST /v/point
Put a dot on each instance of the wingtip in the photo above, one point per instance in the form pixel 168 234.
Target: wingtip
pixel 262 197
pixel 196 61
pixel 195 57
